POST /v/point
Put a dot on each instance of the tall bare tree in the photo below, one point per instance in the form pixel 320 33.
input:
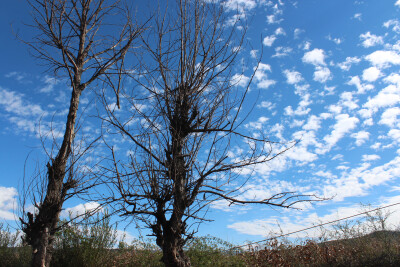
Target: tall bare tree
pixel 184 128
pixel 83 41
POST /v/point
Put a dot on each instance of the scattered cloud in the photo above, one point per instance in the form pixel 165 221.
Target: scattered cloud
pixel 369 40
pixel 371 74
pixel 7 202
pixel 269 40
pixel 81 209
pixel 292 77
pixel 315 57
pixel 346 65
pixel 322 74
pixel 383 58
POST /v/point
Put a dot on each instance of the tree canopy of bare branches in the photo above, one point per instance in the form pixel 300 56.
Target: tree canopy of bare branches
pixel 184 127
pixel 75 38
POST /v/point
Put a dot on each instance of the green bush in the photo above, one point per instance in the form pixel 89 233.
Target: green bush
pixel 212 251
pixel 89 243
pixel 12 253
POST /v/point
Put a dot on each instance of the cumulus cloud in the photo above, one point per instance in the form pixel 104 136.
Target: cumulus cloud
pixel 282 51
pixel 383 58
pixel 394 23
pixel 346 65
pixel 280 31
pixel 261 76
pixel 361 137
pixel 322 74
pixel 239 5
pixel 240 80
pixel 313 123
pixel 361 88
pixel 269 40
pixel 81 209
pixel 257 125
pixel 389 117
pixel 7 202
pixel 395 135
pixel 292 77
pixel 369 40
pixel 372 157
pixel 315 57
pixel 389 96
pixel 371 74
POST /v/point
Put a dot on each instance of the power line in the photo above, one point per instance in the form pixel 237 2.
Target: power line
pixel 318 225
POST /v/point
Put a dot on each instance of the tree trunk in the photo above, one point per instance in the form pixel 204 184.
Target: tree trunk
pixel 40 233
pixel 172 247
pixel 41 229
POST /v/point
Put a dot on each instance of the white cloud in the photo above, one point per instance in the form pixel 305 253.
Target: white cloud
pixel 50 82
pixel 306 45
pixel 361 88
pixel 239 5
pixel 393 78
pixel 313 123
pixel 292 77
pixel 261 76
pixel 344 124
pixel 370 40
pixel 240 80
pixel 253 53
pixel 346 65
pixel 347 101
pixel 257 125
pixel 315 57
pixel 389 96
pixel 7 202
pixel 269 40
pixel 280 31
pixel 361 137
pixel 395 135
pixel 281 51
pixel 81 209
pixel 297 32
pixel 371 74
pixel 358 16
pixel 322 74
pixel 372 157
pixel 383 58
pixel 397 3
pixel 337 41
pixel 394 23
pixel 267 104
pixel 389 117
pixel 14 103
pixel 125 236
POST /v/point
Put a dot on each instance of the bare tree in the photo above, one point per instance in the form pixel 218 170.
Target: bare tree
pixel 185 129
pixel 79 40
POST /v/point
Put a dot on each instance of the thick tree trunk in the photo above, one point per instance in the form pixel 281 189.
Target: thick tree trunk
pixel 42 229
pixel 172 247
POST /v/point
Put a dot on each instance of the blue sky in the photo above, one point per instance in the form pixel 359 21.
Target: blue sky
pixel 329 75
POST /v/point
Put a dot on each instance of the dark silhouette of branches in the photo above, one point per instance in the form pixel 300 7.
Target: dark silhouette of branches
pixel 185 127
pixel 79 40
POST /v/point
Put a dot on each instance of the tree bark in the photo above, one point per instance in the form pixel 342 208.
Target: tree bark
pixel 172 246
pixel 41 229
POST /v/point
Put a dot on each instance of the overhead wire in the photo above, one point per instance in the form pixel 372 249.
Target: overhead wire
pixel 315 226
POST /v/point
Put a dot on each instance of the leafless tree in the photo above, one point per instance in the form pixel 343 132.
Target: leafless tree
pixel 185 128
pixel 83 41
